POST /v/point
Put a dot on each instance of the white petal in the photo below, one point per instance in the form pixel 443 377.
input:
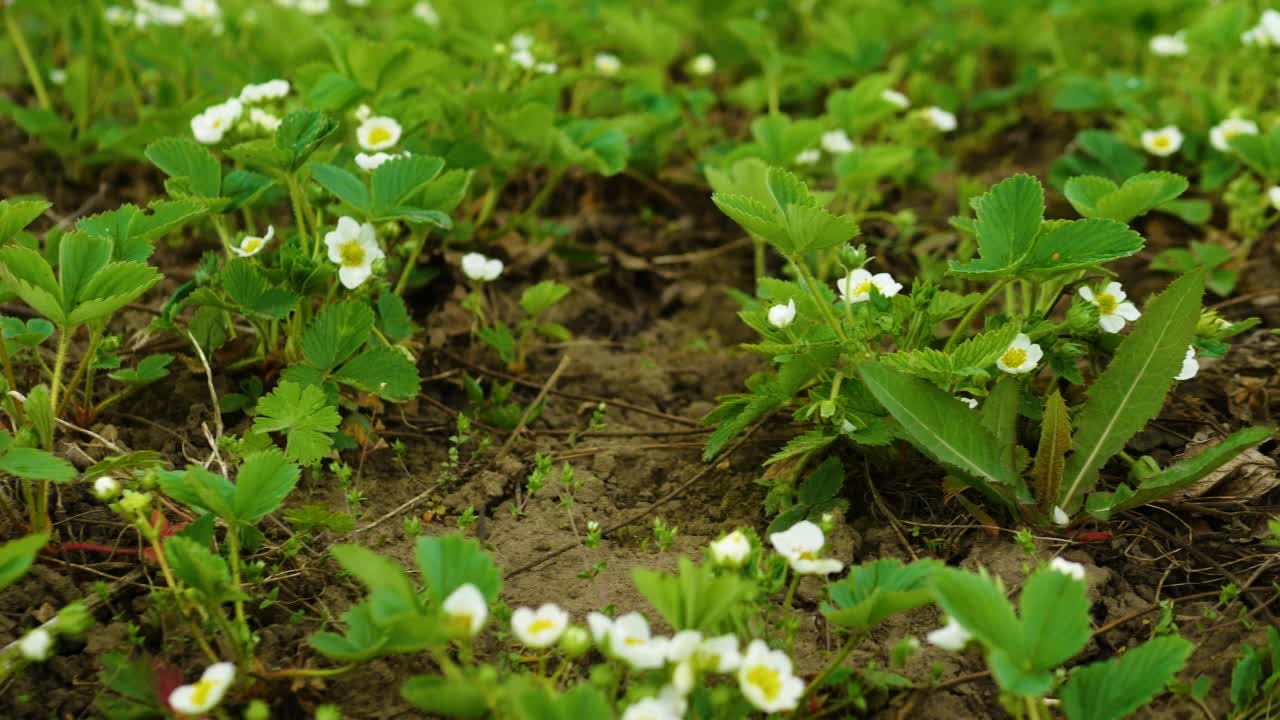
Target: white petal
pixel 354 277
pixel 1111 323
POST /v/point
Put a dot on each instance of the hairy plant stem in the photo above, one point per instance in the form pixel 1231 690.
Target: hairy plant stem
pixel 28 62
pixel 812 284
pixel 18 416
pixel 152 537
pixel 95 337
pixel 299 217
pixel 832 666
pixel 418 241
pixel 973 312
pixel 59 365
pixel 233 553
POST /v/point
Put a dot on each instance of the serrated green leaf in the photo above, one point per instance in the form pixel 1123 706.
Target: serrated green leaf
pixel 300 132
pixel 1055 619
pixel 1080 244
pixel 539 298
pixel 873 591
pixel 811 228
pixel 755 217
pixel 787 189
pixel 461 695
pixel 28 275
pixel 16 215
pixel 1084 192
pixel 1132 389
pixel 1055 440
pixel 807 442
pixel 200 489
pixel 823 483
pixel 396 181
pixel 80 258
pixel 393 317
pixel 200 569
pixel 243 187
pixel 694 598
pixel 116 285
pixel 150 369
pixel 978 605
pixel 188 160
pixel 1113 689
pixel 1140 194
pixel 1008 220
pixel 336 333
pixel 304 414
pixel 345 186
pixel 391 591
pixel 942 427
pixel 34 464
pixel 383 371
pixel 265 478
pixel 248 288
pixel 445 192
pixel 451 561
pixel 17 555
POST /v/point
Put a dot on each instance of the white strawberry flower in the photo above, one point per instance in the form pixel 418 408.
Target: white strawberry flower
pixel 426 12
pixel 971 402
pixel 205 694
pixel 378 133
pixel 731 550
pixel 631 641
pixel 250 245
pixel 210 126
pixel 607 64
pixel 1169 45
pixel 524 58
pixel 719 654
pixel 58 76
pixel 808 157
pixel 1071 569
pixel 370 162
pixel 154 13
pixel 702 65
pixel 354 247
pixel 651 709
pixel 766 679
pixel 539 628
pixel 837 142
pixel 36 645
pixel 951 636
pixel 856 286
pixel 270 90
pixel 466 610
pixel 1022 356
pixel 1060 517
pixel 1113 310
pixel 800 545
pixel 522 41
pixel 781 316
pixel 1220 135
pixel 106 488
pixel 1273 195
pixel 263 119
pixel 1162 142
pixel 480 268
pixel 600 626
pixel 1190 365
pixel 939 119
pixel 895 98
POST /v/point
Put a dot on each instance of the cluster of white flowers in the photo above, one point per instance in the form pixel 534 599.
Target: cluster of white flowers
pixel 1266 33
pixel 1113 309
pixel 307 7
pixel 521 49
pixel 354 247
pixel 212 125
pixel 148 13
pixel 479 268
pixel 1162 142
pixel 1174 45
pixel 1220 135
pixel 953 636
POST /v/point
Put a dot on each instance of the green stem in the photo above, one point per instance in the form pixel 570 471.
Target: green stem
pixel 9 378
pixel 95 337
pixel 59 364
pixel 233 552
pixel 122 62
pixel 822 304
pixel 295 199
pixel 832 666
pixel 28 62
pixel 418 242
pixel 973 312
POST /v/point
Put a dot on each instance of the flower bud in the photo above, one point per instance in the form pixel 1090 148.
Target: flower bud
pixel 106 488
pixel 36 645
pixel 74 620
pixel 575 642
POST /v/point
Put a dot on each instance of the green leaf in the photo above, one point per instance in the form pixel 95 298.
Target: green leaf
pixel 391 592
pixel 397 181
pixel 1008 220
pixel 1140 194
pixel 117 285
pixel 80 258
pixel 1000 415
pixel 200 569
pixel 34 464
pixel 694 598
pixel 384 371
pixel 248 287
pixel 16 215
pixel 1085 192
pixel 1115 688
pixel 27 274
pixel 17 555
pixel 243 187
pixel 1260 152
pixel 1132 389
pixel 336 333
pixel 304 413
pixel 150 369
pixel 534 701
pixel 447 191
pixel 1055 618
pixel 755 217
pixel 301 132
pixel 393 317
pixel 539 298
pixel 187 160
pixel 451 561
pixel 1055 440
pixel 343 185
pixel 823 483
pixel 812 228
pixel 264 480
pixel 498 336
pixel 464 694
pixel 1080 244
pixel 942 427
pixel 40 413
pixel 201 489
pixel 1182 474
pixel 787 189
pixel 874 591
pixel 363 640
pixel 979 605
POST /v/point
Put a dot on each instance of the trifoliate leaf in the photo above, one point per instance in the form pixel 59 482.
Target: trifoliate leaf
pixel 541 297
pixel 304 414
pixel 249 289
pixel 336 333
pixel 149 369
pixel 384 371
pixel 264 480
pixel 187 160
pixel 1115 688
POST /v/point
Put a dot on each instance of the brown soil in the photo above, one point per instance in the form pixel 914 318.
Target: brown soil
pixel 654 329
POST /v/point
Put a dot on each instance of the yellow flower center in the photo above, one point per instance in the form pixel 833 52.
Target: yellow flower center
pixel 460 622
pixel 1228 134
pixel 1161 142
pixel 1014 357
pixel 540 625
pixel 632 641
pixel 379 135
pixel 216 124
pixel 251 244
pixel 352 254
pixel 767 679
pixel 200 692
pixel 863 289
pixel 1107 303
